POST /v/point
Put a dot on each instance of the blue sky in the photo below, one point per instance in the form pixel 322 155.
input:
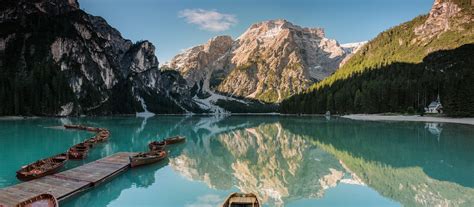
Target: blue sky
pixel 173 25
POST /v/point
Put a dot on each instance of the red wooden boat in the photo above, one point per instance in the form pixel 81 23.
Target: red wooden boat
pixel 43 200
pixel 42 167
pixel 147 158
pixel 174 140
pixel 157 145
pixel 78 151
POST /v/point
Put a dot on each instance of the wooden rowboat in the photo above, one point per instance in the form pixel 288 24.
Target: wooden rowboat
pixel 102 135
pixel 43 200
pixel 91 142
pixel 42 167
pixel 174 140
pixel 241 200
pixel 157 145
pixel 78 151
pixel 72 126
pixel 147 158
pixel 94 129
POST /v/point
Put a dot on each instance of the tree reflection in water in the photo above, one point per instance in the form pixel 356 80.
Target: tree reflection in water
pixel 285 159
pixel 296 158
pixel 404 161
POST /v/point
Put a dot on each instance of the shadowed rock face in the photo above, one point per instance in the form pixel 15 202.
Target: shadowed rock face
pixel 270 61
pixel 14 9
pixel 103 72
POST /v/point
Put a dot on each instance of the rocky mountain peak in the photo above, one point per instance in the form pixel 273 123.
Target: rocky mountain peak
pixel 279 23
pixel 270 61
pixel 140 57
pixel 11 10
pixel 271 28
pixel 198 63
pixel 218 44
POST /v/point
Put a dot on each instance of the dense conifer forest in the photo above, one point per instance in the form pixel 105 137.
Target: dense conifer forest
pixel 398 87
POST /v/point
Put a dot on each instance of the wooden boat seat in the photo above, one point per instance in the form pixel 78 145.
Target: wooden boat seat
pixel 242 201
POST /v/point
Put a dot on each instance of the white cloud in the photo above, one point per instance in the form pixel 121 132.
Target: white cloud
pixel 208 20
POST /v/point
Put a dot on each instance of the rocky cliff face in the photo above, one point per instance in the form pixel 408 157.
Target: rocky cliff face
pixel 75 63
pixel 444 16
pixel 270 61
pixel 199 63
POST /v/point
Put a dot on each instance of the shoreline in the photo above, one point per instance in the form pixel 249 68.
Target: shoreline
pixel 415 118
pixel 362 117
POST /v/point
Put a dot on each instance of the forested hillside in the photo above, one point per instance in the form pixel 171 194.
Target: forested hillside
pixel 398 87
pixel 392 72
pixel 449 25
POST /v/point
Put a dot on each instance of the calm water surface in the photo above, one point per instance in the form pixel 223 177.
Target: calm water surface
pixel 286 161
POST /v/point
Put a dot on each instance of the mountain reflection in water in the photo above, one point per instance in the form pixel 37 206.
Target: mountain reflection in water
pixel 301 158
pixel 267 160
pixel 286 161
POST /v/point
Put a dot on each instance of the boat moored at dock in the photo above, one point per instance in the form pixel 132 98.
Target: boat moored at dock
pixel 145 158
pixel 42 167
pixel 78 151
pixel 157 145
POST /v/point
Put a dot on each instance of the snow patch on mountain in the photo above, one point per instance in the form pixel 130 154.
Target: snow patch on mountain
pixel 66 109
pixel 145 113
pixel 353 47
pixel 273 32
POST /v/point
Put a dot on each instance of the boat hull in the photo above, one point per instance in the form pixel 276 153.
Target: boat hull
pixel 152 157
pixel 153 146
pixel 174 140
pixel 31 171
pixel 43 200
pixel 241 199
pixel 78 152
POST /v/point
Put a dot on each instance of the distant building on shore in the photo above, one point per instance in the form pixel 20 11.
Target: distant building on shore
pixel 435 107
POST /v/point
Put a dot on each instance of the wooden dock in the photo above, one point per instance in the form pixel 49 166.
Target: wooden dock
pixel 68 183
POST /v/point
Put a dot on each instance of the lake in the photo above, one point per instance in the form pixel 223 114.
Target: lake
pixel 285 160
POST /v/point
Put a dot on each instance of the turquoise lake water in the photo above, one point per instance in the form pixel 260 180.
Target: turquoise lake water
pixel 286 161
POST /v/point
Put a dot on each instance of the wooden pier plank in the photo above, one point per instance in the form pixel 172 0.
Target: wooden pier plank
pixel 90 175
pixel 65 184
pixel 7 200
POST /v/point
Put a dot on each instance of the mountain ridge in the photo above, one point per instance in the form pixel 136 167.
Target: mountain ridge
pixel 55 59
pixel 448 25
pixel 268 62
pixel 379 78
